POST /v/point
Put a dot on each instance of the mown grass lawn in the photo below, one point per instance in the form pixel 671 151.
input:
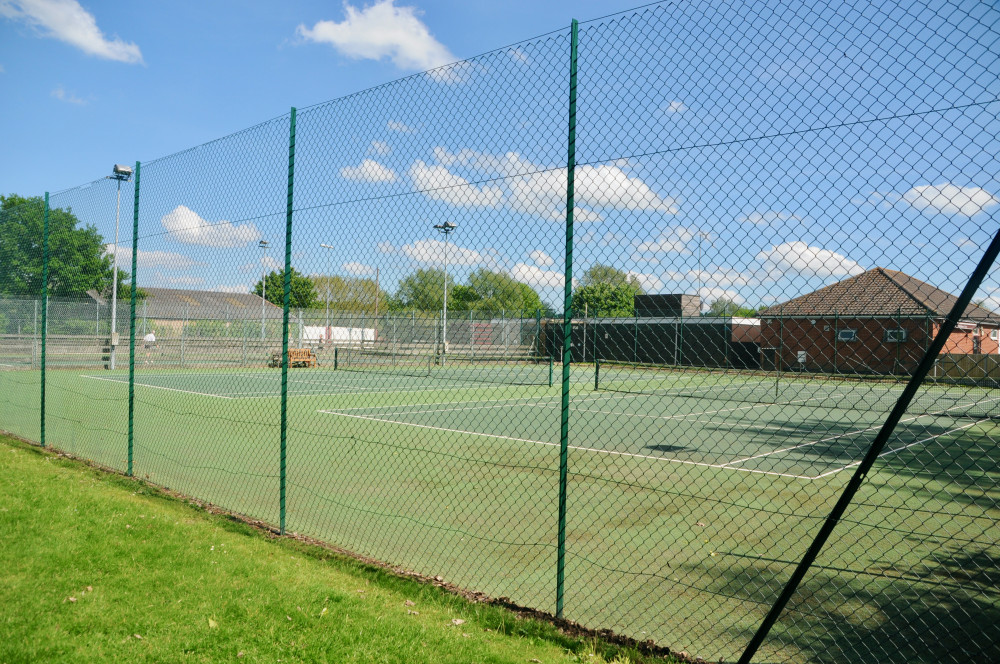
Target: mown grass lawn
pixel 98 567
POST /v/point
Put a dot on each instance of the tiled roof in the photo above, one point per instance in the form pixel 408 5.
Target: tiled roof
pixel 197 304
pixel 878 292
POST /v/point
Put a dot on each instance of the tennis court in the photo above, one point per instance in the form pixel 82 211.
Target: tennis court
pixel 803 428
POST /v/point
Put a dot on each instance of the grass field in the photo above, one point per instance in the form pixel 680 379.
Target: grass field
pixel 685 514
pixel 101 568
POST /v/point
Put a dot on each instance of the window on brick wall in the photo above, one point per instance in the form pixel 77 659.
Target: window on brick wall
pixel 896 335
pixel 847 335
pixel 994 334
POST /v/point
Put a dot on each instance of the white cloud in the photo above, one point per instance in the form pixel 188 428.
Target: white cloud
pixel 2 70
pixel 369 171
pixel 673 239
pixel 710 294
pixel 150 259
pixel 947 198
pixel 674 107
pixel 266 262
pixel 537 277
pixel 596 188
pixel 510 163
pixel 382 30
pixel 185 226
pixel 161 278
pixel 648 282
pixel 722 277
pixel 800 258
pixel 358 269
pixel 386 247
pixel 519 56
pixel 541 259
pixel 68 22
pixel 768 217
pixel 403 128
pixel 435 252
pixel 68 97
pixel 380 148
pixel 440 184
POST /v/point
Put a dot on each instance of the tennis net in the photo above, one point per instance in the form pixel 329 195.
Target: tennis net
pixel 874 394
pixel 457 368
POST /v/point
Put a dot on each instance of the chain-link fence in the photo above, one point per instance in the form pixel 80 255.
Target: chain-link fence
pixel 661 324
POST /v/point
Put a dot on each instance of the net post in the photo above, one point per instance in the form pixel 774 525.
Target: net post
pixel 45 313
pixel 284 323
pixel 597 373
pixel 336 358
pixel 131 325
pixel 551 368
pixel 567 323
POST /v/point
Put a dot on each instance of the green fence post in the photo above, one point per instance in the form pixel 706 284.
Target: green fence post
pixel 284 323
pixel 45 312
pixel 567 322
pixel 131 327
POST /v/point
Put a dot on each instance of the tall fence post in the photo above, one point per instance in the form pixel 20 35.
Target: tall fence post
pixel 567 324
pixel 45 314
pixel 131 326
pixel 284 322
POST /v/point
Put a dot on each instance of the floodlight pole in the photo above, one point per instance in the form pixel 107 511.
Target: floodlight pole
pixel 702 235
pixel 119 173
pixel 263 284
pixel 328 278
pixel 446 228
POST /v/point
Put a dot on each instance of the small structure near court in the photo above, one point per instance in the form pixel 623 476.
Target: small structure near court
pixel 878 322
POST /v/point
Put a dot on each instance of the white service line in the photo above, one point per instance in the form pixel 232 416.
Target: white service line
pixel 157 387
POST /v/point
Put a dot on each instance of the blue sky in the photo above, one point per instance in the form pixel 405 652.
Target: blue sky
pixel 752 152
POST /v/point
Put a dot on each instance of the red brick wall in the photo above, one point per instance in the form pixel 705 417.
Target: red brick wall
pixel 869 353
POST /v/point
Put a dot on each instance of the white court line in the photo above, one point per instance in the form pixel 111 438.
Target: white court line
pixel 893 451
pixel 572 447
pixel 157 387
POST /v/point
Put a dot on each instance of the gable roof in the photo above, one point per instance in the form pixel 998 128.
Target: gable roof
pixel 198 304
pixel 879 292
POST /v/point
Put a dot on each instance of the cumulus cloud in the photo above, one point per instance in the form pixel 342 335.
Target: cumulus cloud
pixel 519 56
pixel 68 22
pixel 401 127
pixel 386 247
pixel 380 148
pixel 648 282
pixel 177 280
pixel 381 31
pixel 541 259
pixel 673 239
pixel 151 259
pixel 358 269
pixel 537 277
pixel 241 288
pixel 436 252
pixel 950 199
pixel 68 97
pixel 369 171
pixel 187 227
pixel 768 217
pixel 710 294
pixel 674 107
pixel 799 258
pixel 266 262
pixel 440 184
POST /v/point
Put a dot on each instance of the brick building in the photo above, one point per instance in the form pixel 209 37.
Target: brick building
pixel 880 321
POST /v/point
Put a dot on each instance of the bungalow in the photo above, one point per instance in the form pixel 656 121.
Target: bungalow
pixel 880 321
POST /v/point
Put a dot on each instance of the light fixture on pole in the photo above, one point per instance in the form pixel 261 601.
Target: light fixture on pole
pixel 122 174
pixel 329 278
pixel 446 228
pixel 263 244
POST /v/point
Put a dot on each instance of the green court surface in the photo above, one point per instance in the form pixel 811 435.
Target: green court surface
pixel 677 503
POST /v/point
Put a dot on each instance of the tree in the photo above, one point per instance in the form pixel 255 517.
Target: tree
pixel 302 296
pixel 77 258
pixel 725 306
pixel 349 294
pixel 606 291
pixel 423 291
pixel 496 291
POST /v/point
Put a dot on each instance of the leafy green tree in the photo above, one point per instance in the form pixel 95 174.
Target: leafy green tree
pixel 725 306
pixel 302 296
pixel 496 291
pixel 77 258
pixel 423 291
pixel 606 291
pixel 349 294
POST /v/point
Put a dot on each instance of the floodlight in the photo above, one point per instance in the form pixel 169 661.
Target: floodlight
pixel 122 172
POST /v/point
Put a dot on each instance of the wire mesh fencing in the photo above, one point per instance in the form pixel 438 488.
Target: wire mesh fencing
pixel 617 323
